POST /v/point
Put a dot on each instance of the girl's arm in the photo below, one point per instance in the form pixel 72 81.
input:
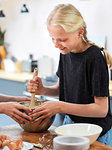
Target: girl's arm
pixel 36 86
pixel 97 109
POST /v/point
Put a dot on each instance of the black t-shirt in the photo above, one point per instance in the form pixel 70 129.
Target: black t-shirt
pixel 83 76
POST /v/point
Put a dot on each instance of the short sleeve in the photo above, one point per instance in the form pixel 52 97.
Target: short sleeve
pixel 58 72
pixel 59 66
pixel 100 78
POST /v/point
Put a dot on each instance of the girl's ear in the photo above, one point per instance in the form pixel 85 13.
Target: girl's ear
pixel 81 32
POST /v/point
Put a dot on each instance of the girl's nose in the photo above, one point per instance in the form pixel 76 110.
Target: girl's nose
pixel 56 43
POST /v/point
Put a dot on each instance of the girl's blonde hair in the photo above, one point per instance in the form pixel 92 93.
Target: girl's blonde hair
pixel 70 19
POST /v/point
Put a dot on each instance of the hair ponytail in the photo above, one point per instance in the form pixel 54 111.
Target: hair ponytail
pixel 85 37
pixel 106 54
pixel 108 58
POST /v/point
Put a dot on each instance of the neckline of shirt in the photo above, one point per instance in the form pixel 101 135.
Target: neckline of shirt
pixel 83 51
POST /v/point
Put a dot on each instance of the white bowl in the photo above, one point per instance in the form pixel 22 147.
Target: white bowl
pixel 70 143
pixel 90 131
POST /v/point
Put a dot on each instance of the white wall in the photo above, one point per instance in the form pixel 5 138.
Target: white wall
pixel 27 33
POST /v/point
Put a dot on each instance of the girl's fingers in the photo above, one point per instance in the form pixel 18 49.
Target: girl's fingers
pixel 36 78
pixel 43 121
pixel 32 83
pixel 33 88
pixel 38 113
pixel 37 109
pixel 42 117
pixel 30 87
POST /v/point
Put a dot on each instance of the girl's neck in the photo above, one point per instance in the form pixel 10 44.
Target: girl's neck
pixel 83 46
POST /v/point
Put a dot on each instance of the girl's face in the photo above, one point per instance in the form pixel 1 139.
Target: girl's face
pixel 65 41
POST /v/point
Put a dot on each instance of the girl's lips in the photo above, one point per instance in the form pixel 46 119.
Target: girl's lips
pixel 62 48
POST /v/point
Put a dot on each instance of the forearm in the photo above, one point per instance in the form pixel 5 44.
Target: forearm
pixel 83 110
pixel 51 91
pixel 5 98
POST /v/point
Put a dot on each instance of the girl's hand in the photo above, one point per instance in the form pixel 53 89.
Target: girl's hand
pixel 35 86
pixel 13 110
pixel 45 111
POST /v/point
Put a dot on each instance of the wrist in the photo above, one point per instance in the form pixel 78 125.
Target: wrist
pixel 60 107
pixel 2 108
pixel 12 99
pixel 43 92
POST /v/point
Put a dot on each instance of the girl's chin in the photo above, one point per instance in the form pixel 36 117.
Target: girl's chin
pixel 64 52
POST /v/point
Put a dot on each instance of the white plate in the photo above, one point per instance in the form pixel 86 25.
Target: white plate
pixel 27 146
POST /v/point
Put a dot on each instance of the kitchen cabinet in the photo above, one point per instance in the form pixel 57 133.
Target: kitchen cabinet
pixel 13 83
pixel 10 87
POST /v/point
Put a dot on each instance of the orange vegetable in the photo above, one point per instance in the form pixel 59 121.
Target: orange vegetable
pixel 3 56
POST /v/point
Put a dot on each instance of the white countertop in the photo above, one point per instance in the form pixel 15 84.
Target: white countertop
pixel 21 77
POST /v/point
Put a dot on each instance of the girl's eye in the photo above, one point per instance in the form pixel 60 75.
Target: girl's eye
pixel 63 40
pixel 59 40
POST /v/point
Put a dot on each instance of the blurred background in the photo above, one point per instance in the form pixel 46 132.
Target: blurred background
pixel 26 33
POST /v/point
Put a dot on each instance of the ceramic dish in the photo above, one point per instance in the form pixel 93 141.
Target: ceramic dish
pixel 70 143
pixel 90 131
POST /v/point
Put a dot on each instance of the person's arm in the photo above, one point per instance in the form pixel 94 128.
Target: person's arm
pixel 6 98
pixel 36 86
pixel 97 109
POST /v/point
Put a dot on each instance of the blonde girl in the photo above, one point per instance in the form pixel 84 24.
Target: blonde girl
pixel 83 83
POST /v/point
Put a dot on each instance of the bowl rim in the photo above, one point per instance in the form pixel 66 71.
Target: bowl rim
pixel 83 142
pixel 80 124
pixel 39 100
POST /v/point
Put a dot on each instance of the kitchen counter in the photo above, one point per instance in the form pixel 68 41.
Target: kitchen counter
pixel 16 132
pixel 21 77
